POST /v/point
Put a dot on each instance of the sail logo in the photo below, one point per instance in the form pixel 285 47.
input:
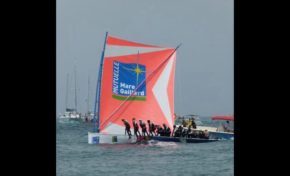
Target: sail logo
pixel 128 81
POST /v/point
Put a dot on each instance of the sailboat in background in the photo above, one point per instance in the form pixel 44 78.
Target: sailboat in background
pixel 71 113
pixel 224 130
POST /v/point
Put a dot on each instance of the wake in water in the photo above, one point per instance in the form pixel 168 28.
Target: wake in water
pixel 150 143
pixel 165 144
pixel 162 144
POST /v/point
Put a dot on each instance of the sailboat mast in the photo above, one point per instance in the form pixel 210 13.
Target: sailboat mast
pixel 75 88
pixel 98 89
pixel 66 95
pixel 88 103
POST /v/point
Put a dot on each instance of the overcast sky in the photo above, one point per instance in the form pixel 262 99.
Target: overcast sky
pixel 204 67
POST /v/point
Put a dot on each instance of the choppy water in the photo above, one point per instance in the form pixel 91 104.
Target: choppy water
pixel 75 157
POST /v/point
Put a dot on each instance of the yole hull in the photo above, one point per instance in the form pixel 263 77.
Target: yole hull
pixel 98 138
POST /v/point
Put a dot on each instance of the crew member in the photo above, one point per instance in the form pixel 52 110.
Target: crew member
pixel 136 127
pixel 143 127
pixel 127 128
pixel 151 127
pixel 160 130
pixel 174 127
pixel 193 124
pixel 166 130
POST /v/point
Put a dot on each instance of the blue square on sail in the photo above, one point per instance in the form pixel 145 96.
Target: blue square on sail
pixel 126 78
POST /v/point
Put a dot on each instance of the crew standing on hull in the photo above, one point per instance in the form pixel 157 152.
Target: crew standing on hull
pixel 151 127
pixel 143 127
pixel 127 128
pixel 136 128
pixel 193 123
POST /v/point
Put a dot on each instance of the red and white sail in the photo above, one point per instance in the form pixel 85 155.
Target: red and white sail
pixel 137 82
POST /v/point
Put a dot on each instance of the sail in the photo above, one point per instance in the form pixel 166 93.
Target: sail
pixel 137 82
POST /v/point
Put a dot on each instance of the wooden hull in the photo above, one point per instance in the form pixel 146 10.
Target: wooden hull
pixel 97 138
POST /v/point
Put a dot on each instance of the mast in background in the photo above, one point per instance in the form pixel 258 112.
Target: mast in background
pixel 75 88
pixel 66 95
pixel 88 100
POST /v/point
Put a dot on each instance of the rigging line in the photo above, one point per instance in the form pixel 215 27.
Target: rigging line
pixel 157 68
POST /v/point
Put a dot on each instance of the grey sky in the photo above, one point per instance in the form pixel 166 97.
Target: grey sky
pixel 204 68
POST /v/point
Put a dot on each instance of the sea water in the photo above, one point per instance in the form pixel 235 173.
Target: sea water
pixel 75 157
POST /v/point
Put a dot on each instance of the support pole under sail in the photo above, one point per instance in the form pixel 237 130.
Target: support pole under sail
pixel 98 90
